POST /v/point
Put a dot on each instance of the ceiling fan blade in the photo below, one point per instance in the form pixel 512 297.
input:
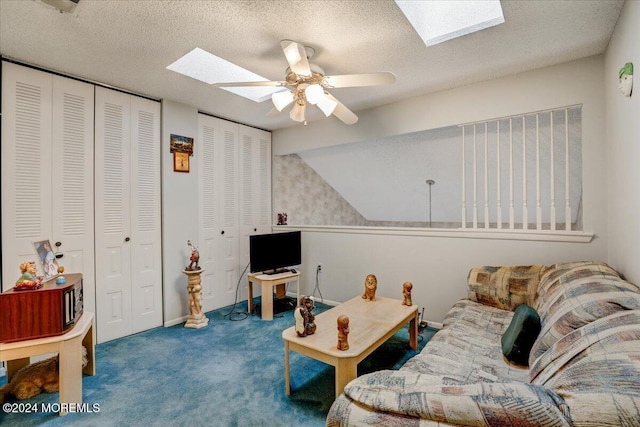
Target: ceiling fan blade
pixel 343 113
pixel 296 57
pixel 355 80
pixel 273 112
pixel 238 84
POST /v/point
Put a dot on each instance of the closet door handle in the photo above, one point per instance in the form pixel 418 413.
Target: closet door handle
pixel 126 239
pixel 222 232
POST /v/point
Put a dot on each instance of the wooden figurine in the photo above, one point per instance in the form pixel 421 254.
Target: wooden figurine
pixel 305 320
pixel 370 286
pixel 406 293
pixel 343 332
pixel 194 258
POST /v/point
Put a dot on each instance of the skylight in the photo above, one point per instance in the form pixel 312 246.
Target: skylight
pixel 206 67
pixel 437 21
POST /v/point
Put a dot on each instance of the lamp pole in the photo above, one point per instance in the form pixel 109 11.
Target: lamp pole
pixel 430 183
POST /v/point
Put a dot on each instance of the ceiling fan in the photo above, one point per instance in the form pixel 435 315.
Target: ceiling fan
pixel 307 85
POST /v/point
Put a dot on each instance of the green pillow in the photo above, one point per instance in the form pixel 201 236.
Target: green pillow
pixel 519 337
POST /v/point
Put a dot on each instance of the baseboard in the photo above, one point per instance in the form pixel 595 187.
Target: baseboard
pixel 317 299
pixel 434 325
pixel 175 321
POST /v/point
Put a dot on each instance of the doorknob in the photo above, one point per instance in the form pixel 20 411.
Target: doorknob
pixel 222 232
pixel 58 254
pixel 126 239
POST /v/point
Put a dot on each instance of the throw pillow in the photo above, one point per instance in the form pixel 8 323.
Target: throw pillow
pixel 504 287
pixel 520 335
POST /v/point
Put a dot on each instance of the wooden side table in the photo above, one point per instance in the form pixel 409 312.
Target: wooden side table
pixel 267 282
pixel 69 349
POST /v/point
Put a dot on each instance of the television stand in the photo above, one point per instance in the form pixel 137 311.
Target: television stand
pixel 267 283
pixel 276 271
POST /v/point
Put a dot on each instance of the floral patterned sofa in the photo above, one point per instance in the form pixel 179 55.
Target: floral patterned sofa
pixel 584 366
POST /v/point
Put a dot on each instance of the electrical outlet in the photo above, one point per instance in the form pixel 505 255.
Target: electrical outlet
pixel 319 268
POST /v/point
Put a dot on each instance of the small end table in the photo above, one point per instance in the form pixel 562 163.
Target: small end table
pixel 267 282
pixel 69 349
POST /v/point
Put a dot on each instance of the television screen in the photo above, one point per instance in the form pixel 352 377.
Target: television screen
pixel 274 252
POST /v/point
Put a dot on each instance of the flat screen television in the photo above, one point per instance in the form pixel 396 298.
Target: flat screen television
pixel 273 253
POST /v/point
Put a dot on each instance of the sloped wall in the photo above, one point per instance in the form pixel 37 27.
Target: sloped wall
pixel 306 197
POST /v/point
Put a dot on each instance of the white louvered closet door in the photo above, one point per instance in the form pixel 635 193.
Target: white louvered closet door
pixel 229 235
pixel 72 181
pixel 26 166
pixel 128 229
pixel 146 251
pixel 255 186
pixel 113 214
pixel 219 222
pixel 209 217
pixel 47 172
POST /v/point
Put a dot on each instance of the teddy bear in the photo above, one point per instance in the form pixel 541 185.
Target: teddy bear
pixel 32 379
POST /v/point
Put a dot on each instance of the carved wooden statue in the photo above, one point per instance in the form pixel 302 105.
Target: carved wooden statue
pixel 343 332
pixel 406 293
pixel 305 320
pixel 370 286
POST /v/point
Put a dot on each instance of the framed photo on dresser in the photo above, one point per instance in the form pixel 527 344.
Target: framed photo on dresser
pixel 47 258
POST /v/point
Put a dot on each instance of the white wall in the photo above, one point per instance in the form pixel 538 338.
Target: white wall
pixel 179 210
pixel 623 145
pixel 438 266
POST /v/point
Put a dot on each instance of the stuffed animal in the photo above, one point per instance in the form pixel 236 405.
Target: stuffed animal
pixel 32 379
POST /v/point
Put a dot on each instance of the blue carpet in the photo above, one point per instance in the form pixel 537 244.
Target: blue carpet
pixel 230 373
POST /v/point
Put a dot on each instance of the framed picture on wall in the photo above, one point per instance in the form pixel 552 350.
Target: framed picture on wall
pixel 47 258
pixel 180 162
pixel 180 144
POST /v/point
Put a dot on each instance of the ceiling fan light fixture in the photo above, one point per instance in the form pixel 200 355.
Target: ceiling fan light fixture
pixel 292 53
pixel 297 112
pixel 314 93
pixel 327 105
pixel 282 99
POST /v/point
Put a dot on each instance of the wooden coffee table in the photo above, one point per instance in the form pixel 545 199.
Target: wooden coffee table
pixel 371 323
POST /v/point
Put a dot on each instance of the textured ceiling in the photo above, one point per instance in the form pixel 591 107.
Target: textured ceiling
pixel 128 44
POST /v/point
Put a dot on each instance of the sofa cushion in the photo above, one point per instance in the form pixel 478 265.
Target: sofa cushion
pixel 504 287
pixel 478 404
pixel 467 348
pixel 520 335
pixel 596 369
pixel 573 295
